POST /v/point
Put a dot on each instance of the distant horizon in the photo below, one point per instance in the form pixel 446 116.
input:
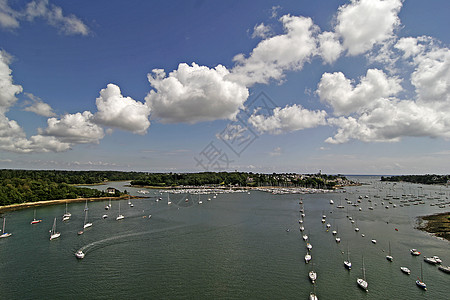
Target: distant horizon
pixel 180 172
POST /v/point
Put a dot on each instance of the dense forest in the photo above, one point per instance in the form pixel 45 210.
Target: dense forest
pixel 70 177
pixel 423 179
pixel 18 190
pixel 20 186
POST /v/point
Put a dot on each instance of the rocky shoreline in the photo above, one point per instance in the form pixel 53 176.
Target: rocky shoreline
pixel 437 225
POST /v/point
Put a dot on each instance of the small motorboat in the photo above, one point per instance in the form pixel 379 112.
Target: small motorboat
pixel 414 252
pixel 79 254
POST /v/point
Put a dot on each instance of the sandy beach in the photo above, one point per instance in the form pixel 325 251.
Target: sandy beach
pixel 18 206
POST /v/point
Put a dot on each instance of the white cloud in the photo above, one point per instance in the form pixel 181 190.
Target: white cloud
pixel 275 152
pixel 287 119
pixel 261 31
pixel 194 94
pixel 8 17
pixel 391 121
pixel 338 91
pixel 13 139
pixel 329 46
pixel 74 128
pixel 431 77
pixel 8 90
pixel 67 24
pixel 122 112
pixel 275 55
pixel 364 23
pixel 38 106
pixel 231 132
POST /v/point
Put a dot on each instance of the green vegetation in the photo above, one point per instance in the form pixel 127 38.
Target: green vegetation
pixel 242 179
pixel 423 179
pixel 20 186
pixel 19 190
pixel 70 177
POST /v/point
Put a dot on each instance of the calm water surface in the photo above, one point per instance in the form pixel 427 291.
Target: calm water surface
pixel 235 246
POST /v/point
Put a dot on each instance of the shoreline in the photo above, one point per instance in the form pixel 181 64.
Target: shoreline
pixel 19 206
pixel 437 225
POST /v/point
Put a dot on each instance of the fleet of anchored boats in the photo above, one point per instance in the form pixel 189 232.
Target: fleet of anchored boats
pixel 361 281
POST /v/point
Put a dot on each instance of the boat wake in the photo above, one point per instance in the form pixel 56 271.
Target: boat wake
pixel 125 237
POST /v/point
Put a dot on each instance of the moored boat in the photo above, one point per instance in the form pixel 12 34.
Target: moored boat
pixel 445 269
pixel 4 234
pixel 414 252
pixel 405 270
pixel 53 233
pixel 362 283
pixel 430 260
pixel 419 281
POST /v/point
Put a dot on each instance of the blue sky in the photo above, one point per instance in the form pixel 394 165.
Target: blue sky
pixel 352 87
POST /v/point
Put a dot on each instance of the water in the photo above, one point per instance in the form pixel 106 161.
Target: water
pixel 233 247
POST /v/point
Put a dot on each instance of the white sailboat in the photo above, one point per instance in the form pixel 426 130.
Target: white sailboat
pixel 86 223
pixel 307 257
pixel 362 281
pixel 4 234
pixel 312 295
pixel 53 233
pixel 108 206
pixel 168 199
pixel 66 215
pixel 312 275
pixel 120 217
pixel 199 201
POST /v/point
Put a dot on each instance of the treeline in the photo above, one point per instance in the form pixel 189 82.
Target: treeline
pixel 70 177
pixel 21 190
pixel 423 179
pixel 242 179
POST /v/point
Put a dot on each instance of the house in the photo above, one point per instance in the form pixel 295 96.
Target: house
pixel 111 190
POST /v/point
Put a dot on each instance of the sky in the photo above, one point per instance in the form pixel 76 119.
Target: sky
pixel 341 87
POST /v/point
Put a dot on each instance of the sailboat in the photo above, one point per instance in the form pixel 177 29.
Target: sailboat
pixel 348 263
pixel 108 206
pixel 34 219
pixel 199 201
pixel 129 202
pixel 119 217
pixel 53 233
pixel 66 215
pixel 168 199
pixel 312 295
pixel 312 275
pixel 4 234
pixel 389 257
pixel 419 281
pixel 307 257
pixel 362 281
pixel 86 223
